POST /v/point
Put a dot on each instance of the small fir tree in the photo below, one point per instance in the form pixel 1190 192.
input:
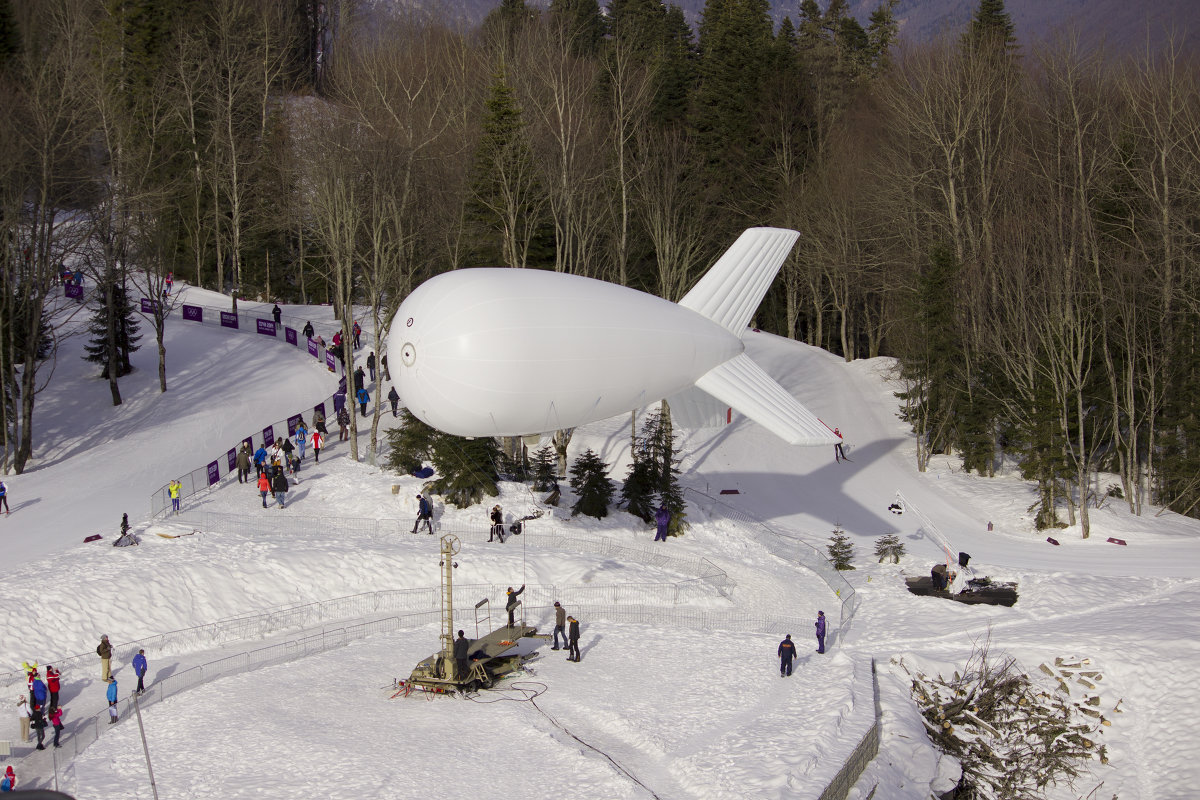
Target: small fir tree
pixel 119 314
pixel 638 490
pixel 544 469
pixel 411 444
pixel 889 546
pixel 467 468
pixel 659 450
pixel 589 481
pixel 841 552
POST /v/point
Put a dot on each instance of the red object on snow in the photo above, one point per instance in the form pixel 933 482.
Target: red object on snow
pixel 1051 540
pixel 1117 541
pixel 93 537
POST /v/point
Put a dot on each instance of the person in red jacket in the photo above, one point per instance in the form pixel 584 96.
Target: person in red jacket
pixel 52 683
pixel 318 441
pixel 264 487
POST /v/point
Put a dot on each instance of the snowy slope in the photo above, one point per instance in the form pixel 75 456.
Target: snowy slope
pixel 686 712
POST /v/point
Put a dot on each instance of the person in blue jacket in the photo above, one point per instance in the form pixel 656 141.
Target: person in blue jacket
pixel 37 691
pixel 301 440
pixel 111 694
pixel 363 399
pixel 260 458
pixel 424 514
pixel 139 668
pixel 662 518
pixel 4 498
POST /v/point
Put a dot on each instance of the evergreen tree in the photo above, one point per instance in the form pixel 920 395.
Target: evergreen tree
pixel 991 26
pixel 582 22
pixel 114 332
pixel 1043 458
pixel 841 551
pixel 466 468
pixel 410 444
pixel 640 486
pixel 544 469
pixel 889 547
pixel 589 481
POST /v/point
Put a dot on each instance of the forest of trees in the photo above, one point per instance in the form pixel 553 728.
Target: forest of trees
pixel 1017 227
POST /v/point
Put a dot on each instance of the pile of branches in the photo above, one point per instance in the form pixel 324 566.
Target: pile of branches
pixel 1012 737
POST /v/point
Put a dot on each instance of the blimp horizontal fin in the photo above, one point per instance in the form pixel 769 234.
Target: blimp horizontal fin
pixel 729 293
pixel 750 390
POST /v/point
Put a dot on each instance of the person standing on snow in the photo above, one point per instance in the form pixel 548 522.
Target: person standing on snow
pixel 317 442
pixel 260 458
pixel 786 652
pixel 308 329
pixel 343 420
pixel 111 694
pixel 662 519
pixel 357 333
pixel 363 399
pixel 104 650
pixel 387 376
pixel 279 485
pixel 820 625
pixel 286 448
pixel 360 379
pixel 497 531
pixel 371 365
pixel 513 602
pixel 37 719
pixel 23 718
pixel 301 440
pixel 560 625
pixel 243 463
pixel 53 684
pixel 462 650
pixel 573 640
pixel 424 514
pixel 4 497
pixel 139 668
pixel 277 314
pixel 56 720
pixel 264 487
pixel 394 399
pixel 173 489
pixel 37 691
pixel 838 453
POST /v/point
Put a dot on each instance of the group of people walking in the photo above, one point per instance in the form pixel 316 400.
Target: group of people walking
pixel 41 709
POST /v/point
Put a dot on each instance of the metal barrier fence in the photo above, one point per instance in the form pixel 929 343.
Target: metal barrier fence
pixel 79 735
pixel 791 548
pixel 247 322
pixel 864 752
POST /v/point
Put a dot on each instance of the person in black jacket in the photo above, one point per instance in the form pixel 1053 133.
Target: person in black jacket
pixel 371 365
pixel 462 646
pixel 786 652
pixel 394 399
pixel 277 314
pixel 279 485
pixel 497 531
pixel 573 639
pixel 308 330
pixel 511 605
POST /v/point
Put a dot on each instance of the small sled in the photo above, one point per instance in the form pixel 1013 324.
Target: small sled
pixel 176 535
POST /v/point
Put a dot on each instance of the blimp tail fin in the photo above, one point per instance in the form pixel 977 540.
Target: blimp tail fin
pixel 729 293
pixel 750 390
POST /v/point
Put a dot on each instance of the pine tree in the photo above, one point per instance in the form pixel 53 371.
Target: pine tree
pixel 589 481
pixel 544 469
pixel 410 444
pixel 581 22
pixel 119 317
pixel 640 485
pixel 10 35
pixel 889 547
pixel 466 468
pixel 991 26
pixel 841 551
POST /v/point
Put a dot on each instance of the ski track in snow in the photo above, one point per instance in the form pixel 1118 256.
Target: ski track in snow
pixel 690 713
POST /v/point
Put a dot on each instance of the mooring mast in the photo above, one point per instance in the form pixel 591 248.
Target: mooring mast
pixel 450 548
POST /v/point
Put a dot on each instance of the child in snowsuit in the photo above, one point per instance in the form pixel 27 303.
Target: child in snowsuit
pixel 56 721
pixel 111 695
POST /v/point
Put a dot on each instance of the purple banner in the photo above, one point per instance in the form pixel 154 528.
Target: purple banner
pixel 214 472
pixel 193 314
pixel 71 290
pixel 329 362
pixel 289 336
pixel 268 436
pixel 249 442
pixel 231 456
pixel 313 350
pixel 149 306
pixel 266 327
pixel 292 423
pixel 228 319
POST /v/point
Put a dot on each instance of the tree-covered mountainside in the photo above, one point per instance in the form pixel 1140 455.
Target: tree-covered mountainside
pixel 1015 222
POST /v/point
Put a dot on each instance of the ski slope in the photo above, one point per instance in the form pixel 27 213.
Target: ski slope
pixel 652 709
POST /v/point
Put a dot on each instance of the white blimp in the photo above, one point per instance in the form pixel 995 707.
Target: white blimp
pixel 512 352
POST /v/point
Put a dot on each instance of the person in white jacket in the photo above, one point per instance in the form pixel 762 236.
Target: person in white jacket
pixel 23 718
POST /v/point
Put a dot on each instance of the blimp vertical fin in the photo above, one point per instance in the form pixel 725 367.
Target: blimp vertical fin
pixel 731 290
pixel 747 387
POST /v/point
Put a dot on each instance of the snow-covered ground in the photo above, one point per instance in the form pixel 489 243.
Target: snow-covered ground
pixel 658 706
